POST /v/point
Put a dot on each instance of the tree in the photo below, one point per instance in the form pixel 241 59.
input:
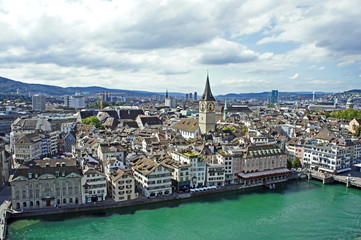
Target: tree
pixel 289 163
pixel 245 129
pixel 93 121
pixel 296 163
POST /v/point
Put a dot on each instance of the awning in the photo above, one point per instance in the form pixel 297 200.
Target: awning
pixel 343 170
pixel 269 173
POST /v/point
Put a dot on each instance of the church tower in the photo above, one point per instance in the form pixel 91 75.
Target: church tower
pixel 207 115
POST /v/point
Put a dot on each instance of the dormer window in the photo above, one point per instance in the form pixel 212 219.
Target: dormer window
pixel 63 173
pixel 63 164
pixel 30 175
pixel 47 165
pixel 57 164
pixel 36 175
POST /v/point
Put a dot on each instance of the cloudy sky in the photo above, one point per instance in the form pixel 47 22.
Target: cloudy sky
pixel 248 46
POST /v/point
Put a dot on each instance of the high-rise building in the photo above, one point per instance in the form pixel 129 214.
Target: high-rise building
pixel 38 102
pixel 191 95
pixel 66 100
pixel 195 95
pixel 77 101
pixel 187 95
pixel 274 96
pixel 207 115
pixel 170 101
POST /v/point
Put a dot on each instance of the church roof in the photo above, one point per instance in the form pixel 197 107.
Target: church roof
pixel 207 94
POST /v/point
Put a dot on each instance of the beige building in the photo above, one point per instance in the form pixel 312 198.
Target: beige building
pixel 263 164
pixel 122 185
pixel 27 147
pixel 354 124
pixel 46 183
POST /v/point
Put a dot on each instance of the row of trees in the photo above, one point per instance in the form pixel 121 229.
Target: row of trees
pixel 347 114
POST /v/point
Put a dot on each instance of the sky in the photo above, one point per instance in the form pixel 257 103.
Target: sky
pixel 247 46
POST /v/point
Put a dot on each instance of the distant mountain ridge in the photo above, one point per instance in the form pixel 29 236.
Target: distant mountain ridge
pixel 10 86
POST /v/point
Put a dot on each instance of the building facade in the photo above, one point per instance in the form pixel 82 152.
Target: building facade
pixel 122 185
pixel 46 183
pixel 38 102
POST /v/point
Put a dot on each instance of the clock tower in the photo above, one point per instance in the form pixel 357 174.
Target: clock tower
pixel 207 115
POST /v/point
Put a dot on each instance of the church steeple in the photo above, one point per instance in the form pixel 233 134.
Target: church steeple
pixel 207 94
pixel 225 110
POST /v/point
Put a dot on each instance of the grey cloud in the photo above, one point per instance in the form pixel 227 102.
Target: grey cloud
pixel 226 58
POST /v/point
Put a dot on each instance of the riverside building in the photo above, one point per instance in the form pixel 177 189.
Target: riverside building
pixel 46 183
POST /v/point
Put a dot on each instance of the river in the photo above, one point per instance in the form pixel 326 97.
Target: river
pixel 294 210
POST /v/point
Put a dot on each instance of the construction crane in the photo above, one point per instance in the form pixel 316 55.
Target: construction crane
pixel 104 94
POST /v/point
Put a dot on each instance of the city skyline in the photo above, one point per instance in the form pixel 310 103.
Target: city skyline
pixel 247 46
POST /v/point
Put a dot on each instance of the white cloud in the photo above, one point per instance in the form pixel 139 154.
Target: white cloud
pixel 295 76
pixel 135 43
pixel 318 68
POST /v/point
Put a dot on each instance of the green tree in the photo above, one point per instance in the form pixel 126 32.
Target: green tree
pixel 245 129
pixel 296 163
pixel 289 163
pixel 93 121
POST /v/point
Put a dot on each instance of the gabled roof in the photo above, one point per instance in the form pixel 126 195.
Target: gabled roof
pixel 86 114
pixel 187 124
pixel 47 166
pixel 150 120
pixel 130 113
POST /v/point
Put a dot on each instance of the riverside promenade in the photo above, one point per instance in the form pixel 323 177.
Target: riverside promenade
pixel 110 204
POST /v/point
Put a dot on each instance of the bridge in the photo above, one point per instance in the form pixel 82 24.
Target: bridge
pixel 329 178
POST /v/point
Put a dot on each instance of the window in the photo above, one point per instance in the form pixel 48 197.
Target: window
pixel 64 200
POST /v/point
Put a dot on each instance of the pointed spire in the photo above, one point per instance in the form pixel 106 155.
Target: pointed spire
pixel 225 106
pixel 225 110
pixel 166 93
pixel 207 94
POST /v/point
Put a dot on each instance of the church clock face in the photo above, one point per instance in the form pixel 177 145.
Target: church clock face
pixel 202 106
pixel 210 107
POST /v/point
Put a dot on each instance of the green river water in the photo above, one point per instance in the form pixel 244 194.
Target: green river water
pixel 294 210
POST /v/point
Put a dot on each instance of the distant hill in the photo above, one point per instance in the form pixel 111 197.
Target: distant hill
pixel 265 94
pixel 354 91
pixel 10 86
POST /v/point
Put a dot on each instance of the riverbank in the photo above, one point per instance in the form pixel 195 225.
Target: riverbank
pixel 110 204
pixel 294 210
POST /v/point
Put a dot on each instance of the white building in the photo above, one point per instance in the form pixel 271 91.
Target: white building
pixel 188 128
pixel 215 174
pixel 198 167
pixel 170 102
pixel 94 186
pixel 77 101
pixel 328 157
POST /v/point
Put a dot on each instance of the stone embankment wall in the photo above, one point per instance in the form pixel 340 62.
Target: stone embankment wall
pixel 111 204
